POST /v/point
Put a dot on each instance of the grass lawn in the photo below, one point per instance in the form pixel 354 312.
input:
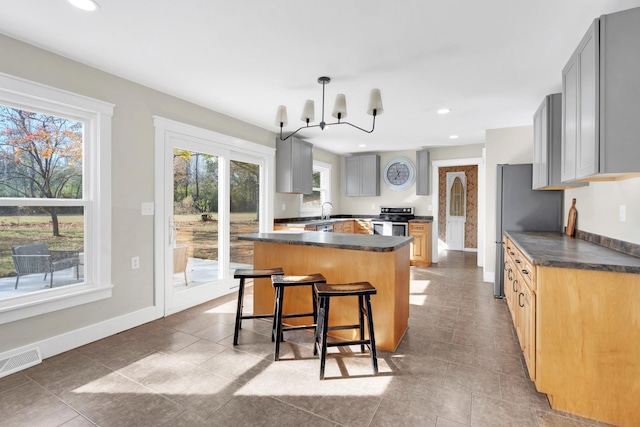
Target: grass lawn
pixel 201 236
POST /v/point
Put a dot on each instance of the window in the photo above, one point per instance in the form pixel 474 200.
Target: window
pixel 311 204
pixel 55 200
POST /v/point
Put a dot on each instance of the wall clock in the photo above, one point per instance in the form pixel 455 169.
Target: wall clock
pixel 399 173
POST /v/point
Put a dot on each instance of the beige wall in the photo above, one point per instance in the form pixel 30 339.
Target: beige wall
pixel 598 207
pixel 132 179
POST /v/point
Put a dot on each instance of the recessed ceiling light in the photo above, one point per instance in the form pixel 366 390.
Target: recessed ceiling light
pixel 453 136
pixel 362 145
pixel 444 111
pixel 88 5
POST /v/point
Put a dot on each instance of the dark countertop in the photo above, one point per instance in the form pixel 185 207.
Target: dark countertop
pixel 422 219
pixel 549 249
pixel 358 242
pixel 302 222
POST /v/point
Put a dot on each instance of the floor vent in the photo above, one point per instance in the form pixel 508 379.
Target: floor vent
pixel 20 361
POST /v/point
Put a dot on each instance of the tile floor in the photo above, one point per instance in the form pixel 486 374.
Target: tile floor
pixel 458 365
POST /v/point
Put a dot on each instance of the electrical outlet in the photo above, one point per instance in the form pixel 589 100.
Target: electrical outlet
pixel 135 262
pixel 146 208
pixel 623 213
pixel 284 207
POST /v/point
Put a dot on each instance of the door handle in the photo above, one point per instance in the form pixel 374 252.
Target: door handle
pixel 172 230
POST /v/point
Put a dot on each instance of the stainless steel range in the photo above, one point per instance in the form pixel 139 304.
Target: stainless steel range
pixel 393 221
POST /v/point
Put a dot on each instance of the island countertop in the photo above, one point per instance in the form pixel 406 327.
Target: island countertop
pixel 358 242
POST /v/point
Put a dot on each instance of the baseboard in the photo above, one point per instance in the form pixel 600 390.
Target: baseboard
pixel 73 339
pixel 489 276
pixel 470 249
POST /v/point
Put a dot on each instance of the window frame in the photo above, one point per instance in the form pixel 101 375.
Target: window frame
pixel 96 116
pixel 325 191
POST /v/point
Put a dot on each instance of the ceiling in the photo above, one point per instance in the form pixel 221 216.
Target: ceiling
pixel 491 62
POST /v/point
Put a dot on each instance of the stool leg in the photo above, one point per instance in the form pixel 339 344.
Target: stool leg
pixel 361 320
pixel 239 311
pixel 278 321
pixel 372 339
pixel 314 301
pixel 324 315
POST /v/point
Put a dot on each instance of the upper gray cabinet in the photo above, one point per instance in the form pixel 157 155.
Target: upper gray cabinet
pixel 294 166
pixel 600 108
pixel 362 175
pixel 423 172
pixel 547 144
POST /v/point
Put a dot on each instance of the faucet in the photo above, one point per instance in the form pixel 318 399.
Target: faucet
pixel 322 215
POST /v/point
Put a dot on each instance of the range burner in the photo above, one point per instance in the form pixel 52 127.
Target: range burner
pixel 396 214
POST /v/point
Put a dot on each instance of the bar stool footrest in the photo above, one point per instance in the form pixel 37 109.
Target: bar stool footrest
pixel 346 343
pixel 342 327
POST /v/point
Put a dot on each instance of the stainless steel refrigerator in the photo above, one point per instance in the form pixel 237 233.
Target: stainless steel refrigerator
pixel 519 208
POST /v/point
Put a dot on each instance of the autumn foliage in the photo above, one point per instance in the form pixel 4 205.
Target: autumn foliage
pixel 40 157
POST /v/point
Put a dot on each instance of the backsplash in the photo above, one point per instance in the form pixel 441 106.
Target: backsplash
pixel 608 242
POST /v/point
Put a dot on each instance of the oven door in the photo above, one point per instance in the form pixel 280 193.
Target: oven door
pixel 388 228
pixel 378 227
pixel 399 229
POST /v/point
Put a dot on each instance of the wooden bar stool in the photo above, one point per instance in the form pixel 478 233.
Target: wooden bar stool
pixel 244 274
pixel 280 283
pixel 324 293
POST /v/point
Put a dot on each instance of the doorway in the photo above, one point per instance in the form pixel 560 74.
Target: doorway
pixel 474 229
pixel 456 212
pixel 208 193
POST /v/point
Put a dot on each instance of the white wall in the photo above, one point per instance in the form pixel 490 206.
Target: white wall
pixel 598 207
pixel 132 180
pixel 507 145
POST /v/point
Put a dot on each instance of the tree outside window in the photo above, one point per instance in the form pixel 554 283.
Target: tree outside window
pixel 41 159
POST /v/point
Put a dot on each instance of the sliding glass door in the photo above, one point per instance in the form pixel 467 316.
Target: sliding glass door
pixel 210 195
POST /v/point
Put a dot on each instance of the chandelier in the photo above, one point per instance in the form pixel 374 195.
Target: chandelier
pixel 339 111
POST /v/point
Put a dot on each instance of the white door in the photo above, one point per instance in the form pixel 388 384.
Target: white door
pixel 211 195
pixel 456 212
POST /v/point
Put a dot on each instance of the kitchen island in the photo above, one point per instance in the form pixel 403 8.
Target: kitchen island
pixel 382 261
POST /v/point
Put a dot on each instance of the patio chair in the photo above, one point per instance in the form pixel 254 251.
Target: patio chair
pixel 180 259
pixel 38 258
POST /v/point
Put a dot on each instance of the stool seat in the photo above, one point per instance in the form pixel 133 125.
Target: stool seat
pixel 248 273
pixel 310 279
pixel 260 273
pixel 363 291
pixel 280 283
pixel 345 289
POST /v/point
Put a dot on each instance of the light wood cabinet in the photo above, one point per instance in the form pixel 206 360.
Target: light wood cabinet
pixel 578 330
pixel 362 175
pixel 420 249
pixel 600 88
pixel 362 226
pixel 343 227
pixel 520 294
pixel 294 166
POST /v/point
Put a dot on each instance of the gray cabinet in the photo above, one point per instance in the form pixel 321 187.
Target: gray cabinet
pixel 423 173
pixel 547 144
pixel 362 175
pixel 601 88
pixel 294 166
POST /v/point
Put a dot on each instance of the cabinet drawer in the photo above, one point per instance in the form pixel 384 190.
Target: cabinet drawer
pixel 417 227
